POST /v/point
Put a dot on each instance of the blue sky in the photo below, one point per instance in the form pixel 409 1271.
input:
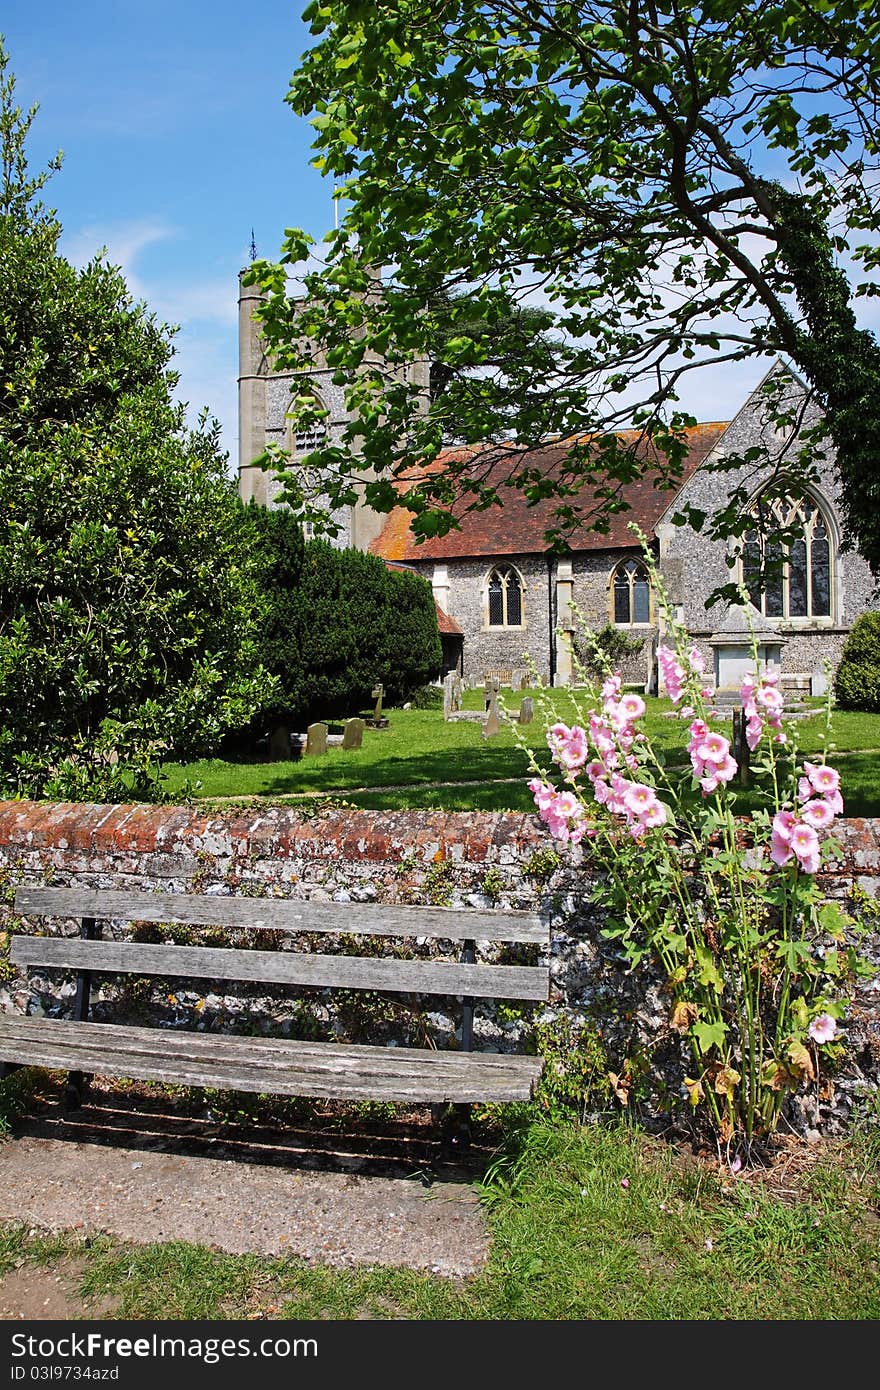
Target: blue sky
pixel 177 142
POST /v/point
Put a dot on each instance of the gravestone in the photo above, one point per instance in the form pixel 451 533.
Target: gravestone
pixel 525 680
pixel 279 745
pixel 316 740
pixel 526 710
pixel 448 697
pixel 492 725
pixel 353 733
pixel 378 720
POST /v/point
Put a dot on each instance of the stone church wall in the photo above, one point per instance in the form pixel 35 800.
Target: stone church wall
pixel 488 648
pixel 694 565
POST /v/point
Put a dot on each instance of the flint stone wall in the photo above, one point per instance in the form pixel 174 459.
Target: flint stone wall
pixel 474 860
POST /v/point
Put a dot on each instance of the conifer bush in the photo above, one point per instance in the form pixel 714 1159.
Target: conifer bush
pixel 857 678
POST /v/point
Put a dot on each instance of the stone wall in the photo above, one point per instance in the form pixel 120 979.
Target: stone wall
pixel 456 859
pixel 488 648
pixel 694 564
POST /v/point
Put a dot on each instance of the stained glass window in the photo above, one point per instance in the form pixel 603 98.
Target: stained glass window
pixel 631 591
pixel 789 577
pixel 505 598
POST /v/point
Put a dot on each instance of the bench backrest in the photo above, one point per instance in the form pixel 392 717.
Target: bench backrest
pixel 467 978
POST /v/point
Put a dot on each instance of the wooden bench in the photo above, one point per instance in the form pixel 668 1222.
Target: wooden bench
pixel 280 1066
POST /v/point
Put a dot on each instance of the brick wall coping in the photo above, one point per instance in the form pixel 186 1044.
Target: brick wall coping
pixel 284 832
pixel 271 831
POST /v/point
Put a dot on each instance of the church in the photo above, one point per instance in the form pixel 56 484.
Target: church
pixel 505 602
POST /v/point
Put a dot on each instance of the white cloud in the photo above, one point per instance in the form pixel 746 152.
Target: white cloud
pixel 205 309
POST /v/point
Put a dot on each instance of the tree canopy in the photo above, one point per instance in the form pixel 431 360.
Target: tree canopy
pixel 128 601
pixel 683 185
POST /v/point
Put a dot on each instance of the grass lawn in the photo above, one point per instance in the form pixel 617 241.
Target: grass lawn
pixel 421 761
pixel 597 1222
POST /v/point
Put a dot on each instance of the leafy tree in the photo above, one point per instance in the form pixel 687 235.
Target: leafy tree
pixel 684 185
pixel 128 601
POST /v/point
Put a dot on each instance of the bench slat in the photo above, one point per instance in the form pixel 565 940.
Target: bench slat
pixel 285 1068
pixel 284 967
pixel 361 919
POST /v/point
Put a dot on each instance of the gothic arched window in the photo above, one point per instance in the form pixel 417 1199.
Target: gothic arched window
pixel 504 590
pixel 630 594
pixel 789 575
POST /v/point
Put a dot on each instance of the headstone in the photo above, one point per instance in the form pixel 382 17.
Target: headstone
pixel 819 683
pixel 353 733
pixel 279 744
pixel 491 687
pixel 447 694
pixel 316 740
pixel 525 681
pixel 378 720
pixel 526 710
pixel 456 691
pixel 492 724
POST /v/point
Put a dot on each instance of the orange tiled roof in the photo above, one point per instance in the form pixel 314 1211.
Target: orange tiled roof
pixel 515 528
pixel 447 624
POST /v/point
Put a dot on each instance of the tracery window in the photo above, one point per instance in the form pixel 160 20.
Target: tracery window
pixel 505 595
pixel 630 594
pixel 788 576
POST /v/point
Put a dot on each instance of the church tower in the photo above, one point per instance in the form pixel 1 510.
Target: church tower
pixel 264 399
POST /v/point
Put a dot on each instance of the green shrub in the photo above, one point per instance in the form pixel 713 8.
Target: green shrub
pixel 338 622
pixel 857 679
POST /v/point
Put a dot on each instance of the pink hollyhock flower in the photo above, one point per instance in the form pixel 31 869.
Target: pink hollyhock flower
pixel 567 804
pixel 543 792
pixel 601 791
pixel 611 687
pixel 754 729
pixel 817 813
pixel 672 672
pixel 633 706
pixel 569 746
pixel 804 843
pixel 780 839
pixel 783 824
pixel 769 697
pixel 822 1029
pixel 716 774
pixel 696 661
pixel 835 801
pixel 638 797
pixel 595 769
pixel 707 692
pixel 558 815
pixel 654 815
pixel 822 778
pixel 698 729
pixel 713 748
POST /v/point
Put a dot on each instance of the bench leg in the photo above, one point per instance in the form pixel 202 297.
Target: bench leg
pixel 457 1127
pixel 76 1090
